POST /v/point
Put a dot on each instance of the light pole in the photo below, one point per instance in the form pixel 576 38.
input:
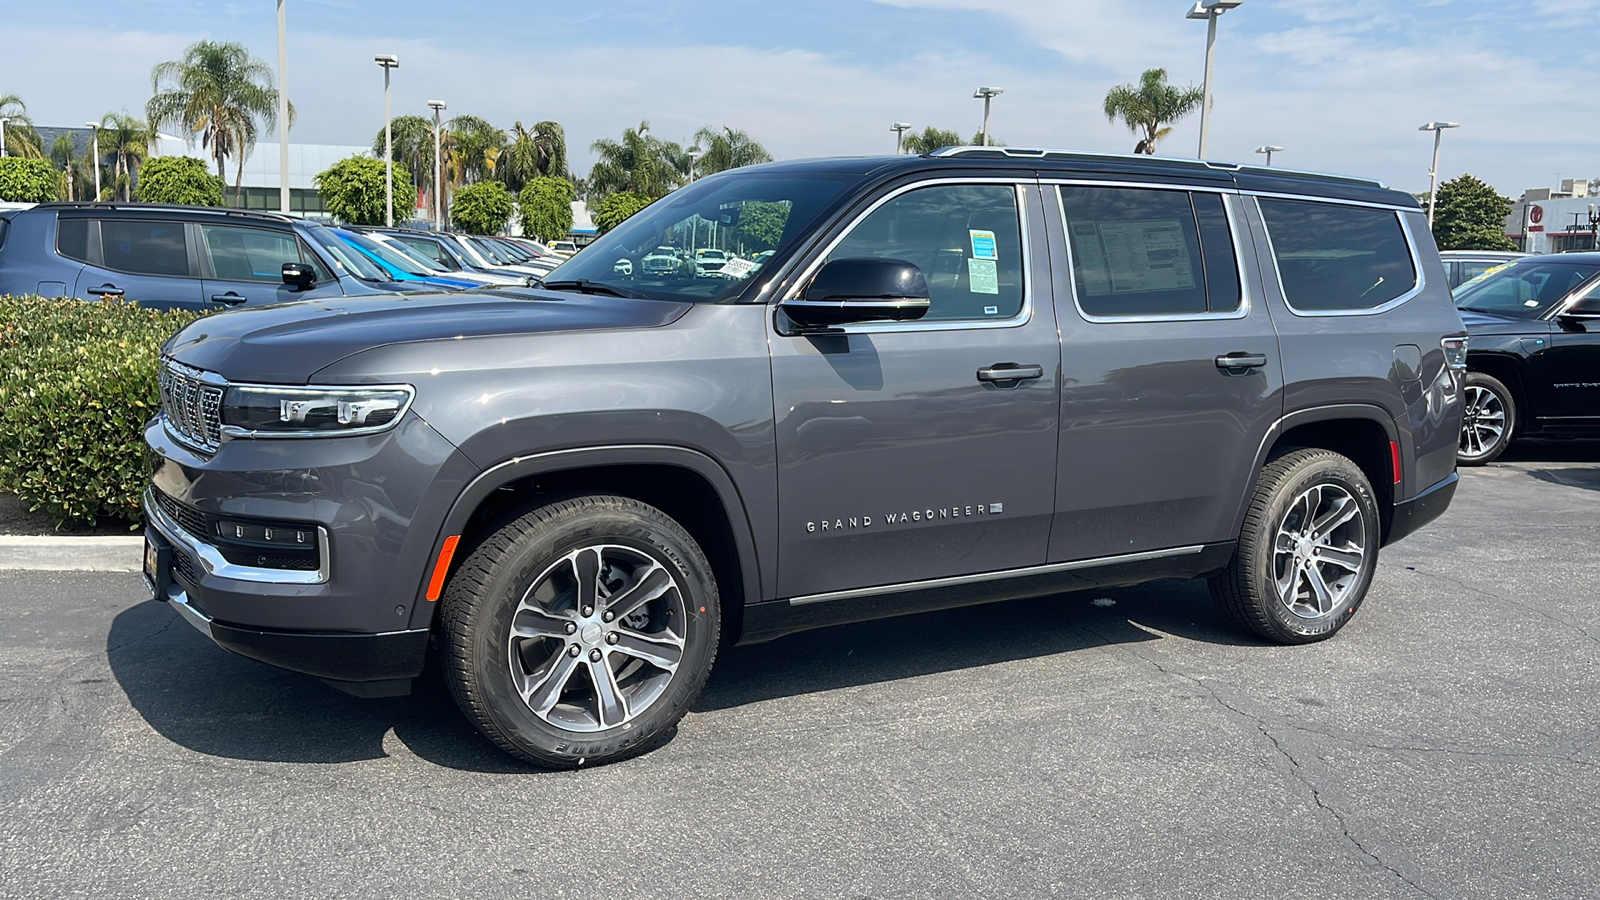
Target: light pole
pixel 1594 227
pixel 283 108
pixel 438 168
pixel 899 129
pixel 1269 150
pixel 987 94
pixel 3 136
pixel 1208 10
pixel 1433 172
pixel 388 61
pixel 94 130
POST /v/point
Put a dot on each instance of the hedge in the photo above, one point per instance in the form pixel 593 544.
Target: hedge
pixel 77 385
pixel 28 180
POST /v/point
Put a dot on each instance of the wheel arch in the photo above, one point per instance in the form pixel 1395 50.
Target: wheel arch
pixel 1508 370
pixel 1359 432
pixel 685 484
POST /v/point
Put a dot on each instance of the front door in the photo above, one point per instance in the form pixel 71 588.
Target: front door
pixel 245 265
pixel 1568 373
pixel 898 461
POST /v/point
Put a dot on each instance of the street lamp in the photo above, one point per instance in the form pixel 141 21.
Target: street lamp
pixel 1433 173
pixel 94 130
pixel 899 129
pixel 986 94
pixel 1594 227
pixel 283 108
pixel 387 61
pixel 438 170
pixel 1269 150
pixel 1208 10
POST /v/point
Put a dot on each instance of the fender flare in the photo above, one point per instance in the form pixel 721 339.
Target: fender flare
pixel 1310 415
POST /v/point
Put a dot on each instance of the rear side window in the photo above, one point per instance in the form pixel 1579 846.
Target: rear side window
pixel 1332 257
pixel 1149 252
pixel 72 239
pixel 431 250
pixel 144 247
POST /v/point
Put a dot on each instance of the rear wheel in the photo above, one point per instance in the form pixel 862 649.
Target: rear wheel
pixel 1307 552
pixel 1488 418
pixel 581 632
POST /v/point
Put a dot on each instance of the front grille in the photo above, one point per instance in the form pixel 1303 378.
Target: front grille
pixel 187 517
pixel 183 566
pixel 192 404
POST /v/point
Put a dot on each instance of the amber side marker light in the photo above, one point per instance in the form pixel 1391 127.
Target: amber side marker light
pixel 442 567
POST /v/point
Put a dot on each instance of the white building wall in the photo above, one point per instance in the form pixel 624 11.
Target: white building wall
pixel 261 166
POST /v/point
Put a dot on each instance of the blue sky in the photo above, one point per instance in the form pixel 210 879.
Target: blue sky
pixel 1341 84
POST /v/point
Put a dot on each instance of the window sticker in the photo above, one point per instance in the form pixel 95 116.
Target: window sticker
pixel 983 246
pixel 983 276
pixel 1148 255
pixel 737 268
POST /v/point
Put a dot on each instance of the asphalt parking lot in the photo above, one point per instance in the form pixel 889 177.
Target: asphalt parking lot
pixel 1117 744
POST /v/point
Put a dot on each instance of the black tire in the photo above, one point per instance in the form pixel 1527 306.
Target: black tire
pixel 1488 419
pixel 1282 544
pixel 530 572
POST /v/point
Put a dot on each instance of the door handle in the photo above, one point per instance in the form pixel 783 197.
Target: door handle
pixel 1010 372
pixel 1237 360
pixel 229 299
pixel 104 290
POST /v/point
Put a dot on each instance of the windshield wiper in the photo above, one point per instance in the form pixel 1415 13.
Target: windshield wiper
pixel 585 286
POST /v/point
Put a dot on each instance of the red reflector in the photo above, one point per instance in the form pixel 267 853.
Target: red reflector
pixel 1394 459
pixel 440 568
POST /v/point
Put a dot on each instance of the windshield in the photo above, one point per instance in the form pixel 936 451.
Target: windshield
pixel 419 263
pixel 353 262
pixel 741 214
pixel 1525 289
pixel 494 251
pixel 385 254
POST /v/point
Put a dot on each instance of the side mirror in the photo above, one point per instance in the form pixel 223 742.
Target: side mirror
pixel 1583 308
pixel 299 276
pixel 861 290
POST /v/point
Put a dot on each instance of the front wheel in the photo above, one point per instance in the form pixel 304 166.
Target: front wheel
pixel 1307 552
pixel 1488 418
pixel 581 632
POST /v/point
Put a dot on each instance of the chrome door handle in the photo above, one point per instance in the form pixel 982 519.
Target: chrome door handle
pixel 1010 372
pixel 1236 361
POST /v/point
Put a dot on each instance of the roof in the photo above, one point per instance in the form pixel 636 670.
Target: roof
pixel 172 208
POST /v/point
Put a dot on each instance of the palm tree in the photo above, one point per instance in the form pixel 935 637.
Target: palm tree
pixel 220 92
pixel 533 153
pixel 412 138
pixel 475 148
pixel 638 163
pixel 21 139
pixel 1148 106
pixel 721 150
pixel 930 140
pixel 77 178
pixel 129 140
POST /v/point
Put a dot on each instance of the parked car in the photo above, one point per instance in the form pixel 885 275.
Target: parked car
pixel 483 254
pixel 398 267
pixel 448 254
pixel 660 261
pixel 538 249
pixel 423 263
pixel 563 248
pixel 173 257
pixel 1134 369
pixel 1461 266
pixel 708 260
pixel 1533 357
pixel 516 254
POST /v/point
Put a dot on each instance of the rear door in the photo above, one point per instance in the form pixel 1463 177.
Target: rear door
pixel 147 260
pixel 1171 375
pixel 243 264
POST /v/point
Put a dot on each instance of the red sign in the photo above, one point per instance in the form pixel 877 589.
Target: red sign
pixel 1535 214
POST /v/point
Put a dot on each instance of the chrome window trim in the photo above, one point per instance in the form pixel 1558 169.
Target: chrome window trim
pixel 1154 185
pixel 1417 287
pixel 1315 198
pixel 1023 316
pixel 955 580
pixel 1229 199
pixel 212 560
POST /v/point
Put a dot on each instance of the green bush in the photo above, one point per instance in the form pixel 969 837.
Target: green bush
pixel 482 208
pixel 178 179
pixel 28 180
pixel 77 384
pixel 545 208
pixel 352 189
pixel 616 208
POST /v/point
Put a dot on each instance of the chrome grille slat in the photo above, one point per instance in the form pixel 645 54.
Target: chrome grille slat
pixel 191 405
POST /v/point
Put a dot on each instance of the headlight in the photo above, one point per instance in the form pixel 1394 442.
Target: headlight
pixel 265 411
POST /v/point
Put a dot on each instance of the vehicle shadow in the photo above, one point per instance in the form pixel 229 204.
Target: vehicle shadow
pixel 214 702
pixel 1586 477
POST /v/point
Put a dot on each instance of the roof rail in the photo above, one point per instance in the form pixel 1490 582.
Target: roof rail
pixel 168 207
pixel 1047 154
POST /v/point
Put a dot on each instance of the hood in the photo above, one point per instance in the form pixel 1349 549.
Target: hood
pixel 284 343
pixel 1493 323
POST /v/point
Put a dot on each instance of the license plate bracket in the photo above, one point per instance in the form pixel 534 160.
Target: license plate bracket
pixel 157 564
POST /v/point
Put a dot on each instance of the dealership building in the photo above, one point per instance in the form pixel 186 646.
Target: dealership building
pixel 1553 221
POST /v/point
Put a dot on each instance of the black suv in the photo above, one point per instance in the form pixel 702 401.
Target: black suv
pixel 969 376
pixel 1534 358
pixel 173 257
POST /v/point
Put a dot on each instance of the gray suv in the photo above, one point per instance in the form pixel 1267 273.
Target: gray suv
pixel 975 375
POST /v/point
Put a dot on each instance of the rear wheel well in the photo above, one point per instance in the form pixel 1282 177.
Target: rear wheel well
pixel 680 493
pixel 1362 441
pixel 1506 371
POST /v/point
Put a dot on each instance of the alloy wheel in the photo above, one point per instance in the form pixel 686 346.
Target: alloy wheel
pixel 1483 422
pixel 1319 552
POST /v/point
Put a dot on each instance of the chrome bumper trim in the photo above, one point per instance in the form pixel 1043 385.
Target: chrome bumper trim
pixel 216 564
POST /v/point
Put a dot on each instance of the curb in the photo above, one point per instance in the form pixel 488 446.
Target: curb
pixel 48 553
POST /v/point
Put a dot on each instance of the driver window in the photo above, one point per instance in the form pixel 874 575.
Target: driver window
pixel 966 239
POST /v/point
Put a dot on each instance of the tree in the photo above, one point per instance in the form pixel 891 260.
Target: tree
pixel 482 208
pixel 1147 107
pixel 536 153
pixel 128 140
pixel 21 139
pixel 353 191
pixel 761 225
pixel 977 140
pixel 412 139
pixel 474 151
pixel 724 149
pixel 1471 215
pixel 931 139
pixel 220 92
pixel 27 180
pixel 616 207
pixel 637 164
pixel 77 179
pixel 178 179
pixel 544 208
